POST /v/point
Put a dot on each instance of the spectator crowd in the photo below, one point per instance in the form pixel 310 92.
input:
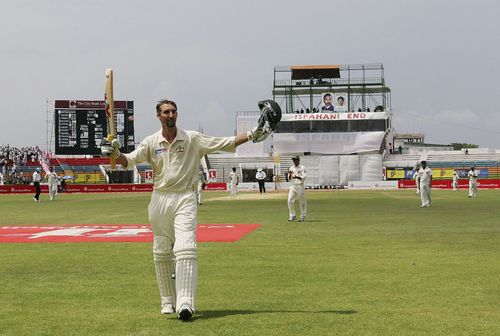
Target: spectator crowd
pixel 13 158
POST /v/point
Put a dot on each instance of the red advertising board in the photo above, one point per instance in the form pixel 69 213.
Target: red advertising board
pixel 79 188
pixel 95 188
pixel 446 184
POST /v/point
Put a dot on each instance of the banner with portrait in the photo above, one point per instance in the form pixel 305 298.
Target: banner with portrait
pixel 327 102
pixel 340 102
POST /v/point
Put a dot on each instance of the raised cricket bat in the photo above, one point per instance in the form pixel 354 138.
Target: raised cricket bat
pixel 110 111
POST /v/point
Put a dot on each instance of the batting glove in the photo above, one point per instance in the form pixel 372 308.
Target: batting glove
pixel 110 148
pixel 259 134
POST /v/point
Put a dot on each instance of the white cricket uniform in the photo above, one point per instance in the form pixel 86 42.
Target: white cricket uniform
pixel 455 182
pixel 233 177
pixel 173 209
pixel 425 176
pixel 417 182
pixel 297 189
pixel 472 183
pixel 52 179
pixel 199 189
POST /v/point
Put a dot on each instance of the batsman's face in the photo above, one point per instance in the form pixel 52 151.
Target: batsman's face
pixel 167 115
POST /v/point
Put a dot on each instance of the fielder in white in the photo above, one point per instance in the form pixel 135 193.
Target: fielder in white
pixel 472 182
pixel 174 155
pixel 297 176
pixel 233 177
pixel 52 179
pixel 454 182
pixel 417 181
pixel 425 176
pixel 199 190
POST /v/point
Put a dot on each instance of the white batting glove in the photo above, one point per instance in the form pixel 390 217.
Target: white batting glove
pixel 110 148
pixel 259 134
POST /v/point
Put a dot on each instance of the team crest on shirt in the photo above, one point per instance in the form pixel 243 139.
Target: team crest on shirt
pixel 159 151
pixel 179 149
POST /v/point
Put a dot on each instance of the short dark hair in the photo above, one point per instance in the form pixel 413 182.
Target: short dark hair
pixel 164 101
pixel 327 95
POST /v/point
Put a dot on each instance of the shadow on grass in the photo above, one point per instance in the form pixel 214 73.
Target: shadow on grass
pixel 210 314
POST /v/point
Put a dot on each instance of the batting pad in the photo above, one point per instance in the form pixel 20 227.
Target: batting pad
pixel 165 268
pixel 186 275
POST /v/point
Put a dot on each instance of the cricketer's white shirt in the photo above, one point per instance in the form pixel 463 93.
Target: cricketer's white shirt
pixel 472 176
pixel 425 174
pixel 260 175
pixel 176 166
pixel 233 177
pixel 415 175
pixel 299 171
pixel 36 177
pixel 455 178
pixel 52 178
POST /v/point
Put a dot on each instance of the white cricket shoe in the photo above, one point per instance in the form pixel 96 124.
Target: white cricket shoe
pixel 302 219
pixel 185 313
pixel 292 218
pixel 168 309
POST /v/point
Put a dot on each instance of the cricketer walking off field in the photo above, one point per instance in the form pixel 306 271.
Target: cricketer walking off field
pixel 174 155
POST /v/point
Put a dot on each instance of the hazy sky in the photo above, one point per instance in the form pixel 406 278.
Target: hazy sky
pixel 217 57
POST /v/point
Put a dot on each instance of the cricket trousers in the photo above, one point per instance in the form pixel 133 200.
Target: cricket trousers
pixel 297 191
pixel 425 193
pixel 173 217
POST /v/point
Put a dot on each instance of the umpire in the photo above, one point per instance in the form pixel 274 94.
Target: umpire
pixel 261 179
pixel 36 183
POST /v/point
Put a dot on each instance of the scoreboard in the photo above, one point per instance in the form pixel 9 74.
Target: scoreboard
pixel 80 126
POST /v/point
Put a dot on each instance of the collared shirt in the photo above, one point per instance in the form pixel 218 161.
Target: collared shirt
pixel 52 178
pixel 425 174
pixel 415 175
pixel 472 176
pixel 233 177
pixel 261 175
pixel 455 178
pixel 299 171
pixel 176 165
pixel 37 177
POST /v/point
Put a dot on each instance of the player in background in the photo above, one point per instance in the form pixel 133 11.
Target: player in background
pixel 201 184
pixel 297 176
pixel 260 176
pixel 175 154
pixel 37 177
pixel 52 180
pixel 455 181
pixel 416 178
pixel 235 180
pixel 425 176
pixel 472 182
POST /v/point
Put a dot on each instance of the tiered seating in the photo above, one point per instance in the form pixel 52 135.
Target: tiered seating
pixel 225 162
pixel 403 160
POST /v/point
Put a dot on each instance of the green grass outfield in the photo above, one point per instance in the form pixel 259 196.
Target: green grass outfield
pixel 365 263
